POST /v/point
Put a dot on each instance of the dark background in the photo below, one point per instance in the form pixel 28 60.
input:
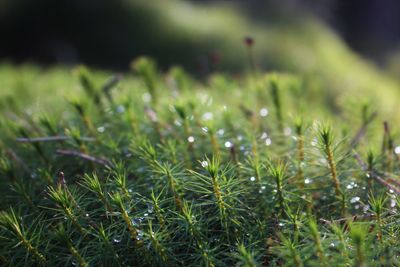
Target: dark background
pixel 108 34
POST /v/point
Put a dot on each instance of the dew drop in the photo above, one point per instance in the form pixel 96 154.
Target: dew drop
pixel 268 141
pixel 287 131
pixel 190 139
pixel 101 129
pixel 117 239
pixel 307 181
pixel 204 163
pixel 354 199
pixel 221 132
pixel 397 150
pixel 178 123
pixel 146 97
pixel 136 221
pixel 264 135
pixel 252 178
pixel 207 116
pixel 228 144
pixel 139 235
pixel 120 109
pixel 74 263
pixel 350 186
pixel 150 208
pixel 263 112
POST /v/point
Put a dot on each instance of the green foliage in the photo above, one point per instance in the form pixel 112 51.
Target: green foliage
pixel 202 176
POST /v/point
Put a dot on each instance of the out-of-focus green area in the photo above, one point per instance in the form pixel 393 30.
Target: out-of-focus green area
pixel 184 33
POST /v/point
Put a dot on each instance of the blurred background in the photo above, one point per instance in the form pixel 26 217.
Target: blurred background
pixel 299 35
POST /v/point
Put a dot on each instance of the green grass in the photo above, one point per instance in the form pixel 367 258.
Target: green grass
pixel 158 169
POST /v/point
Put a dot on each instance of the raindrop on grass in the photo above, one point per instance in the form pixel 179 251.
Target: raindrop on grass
pixel 204 163
pixel 397 150
pixel 221 132
pixel 307 181
pixel 117 239
pixel 190 139
pixel 252 178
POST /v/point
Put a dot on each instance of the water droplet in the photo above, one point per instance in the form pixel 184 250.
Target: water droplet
pixel 178 123
pixel 136 221
pixel 120 109
pixel 354 199
pixel 397 150
pixel 268 141
pixel 204 163
pixel 207 116
pixel 139 235
pixel 101 129
pixel 228 144
pixel 221 132
pixel 117 239
pixel 252 178
pixel 130 190
pixel 87 214
pixel 263 112
pixel 287 131
pixel 150 208
pixel 314 142
pixel 146 97
pixel 391 191
pixel 191 139
pixel 332 244
pixel 281 224
pixel 146 215
pixel 392 203
pixel 205 129
pixel 350 186
pixel 239 138
pixel 264 135
pixel 307 181
pixel 74 263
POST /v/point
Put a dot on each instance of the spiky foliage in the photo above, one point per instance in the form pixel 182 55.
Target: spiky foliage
pixel 174 173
